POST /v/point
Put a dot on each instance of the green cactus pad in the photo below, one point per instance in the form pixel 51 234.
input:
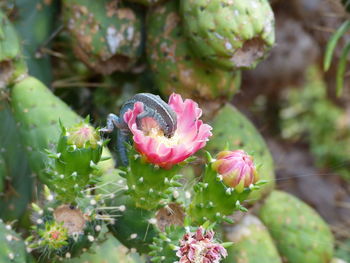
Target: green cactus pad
pixel 299 232
pixel 14 167
pixel 106 37
pixel 232 130
pixel 40 16
pixel 174 67
pixel 37 112
pixel 11 63
pixel 12 247
pixel 252 243
pixel 229 34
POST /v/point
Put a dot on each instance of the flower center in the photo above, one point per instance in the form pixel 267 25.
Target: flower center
pixel 151 129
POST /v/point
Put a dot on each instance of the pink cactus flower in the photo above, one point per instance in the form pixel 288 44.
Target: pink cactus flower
pixel 236 168
pixel 200 247
pixel 190 136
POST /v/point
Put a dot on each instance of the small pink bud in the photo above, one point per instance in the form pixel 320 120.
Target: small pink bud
pixel 236 168
pixel 200 247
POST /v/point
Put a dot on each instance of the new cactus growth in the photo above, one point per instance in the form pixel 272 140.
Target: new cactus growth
pixel 229 34
pixel 11 62
pixel 299 232
pixel 79 149
pixel 175 68
pixel 106 36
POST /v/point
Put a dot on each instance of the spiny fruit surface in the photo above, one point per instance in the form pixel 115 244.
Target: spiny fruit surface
pixel 299 232
pixel 232 130
pixel 105 36
pixel 252 243
pixel 174 67
pixel 12 247
pixel 37 112
pixel 229 34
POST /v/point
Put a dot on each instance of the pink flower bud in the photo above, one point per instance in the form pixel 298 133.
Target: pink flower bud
pixel 236 168
pixel 200 247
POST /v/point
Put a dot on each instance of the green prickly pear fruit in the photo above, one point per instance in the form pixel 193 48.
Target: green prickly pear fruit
pixel 252 243
pixel 78 151
pixel 234 131
pixel 110 251
pixel 106 37
pixel 175 68
pixel 225 185
pixel 12 248
pixel 299 232
pixel 229 34
pixel 37 112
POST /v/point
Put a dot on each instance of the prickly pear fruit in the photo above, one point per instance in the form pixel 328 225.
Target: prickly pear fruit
pixel 37 112
pixel 106 37
pixel 12 248
pixel 175 68
pixel 232 130
pixel 252 243
pixel 214 199
pixel 299 232
pixel 79 149
pixel 110 251
pixel 14 168
pixel 229 34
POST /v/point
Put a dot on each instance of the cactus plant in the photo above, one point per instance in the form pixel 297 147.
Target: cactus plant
pixel 175 68
pixel 229 34
pixel 106 37
pixel 299 232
